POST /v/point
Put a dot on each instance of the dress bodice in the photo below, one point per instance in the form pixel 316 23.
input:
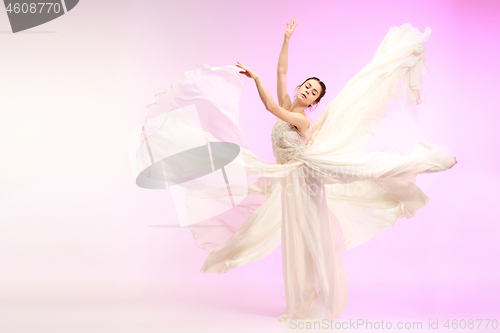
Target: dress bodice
pixel 287 140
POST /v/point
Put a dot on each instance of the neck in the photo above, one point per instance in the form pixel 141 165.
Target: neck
pixel 297 107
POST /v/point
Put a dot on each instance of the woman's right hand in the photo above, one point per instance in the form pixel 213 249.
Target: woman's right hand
pixel 247 71
pixel 290 27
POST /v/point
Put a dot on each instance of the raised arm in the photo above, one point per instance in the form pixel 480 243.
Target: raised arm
pixel 294 118
pixel 283 97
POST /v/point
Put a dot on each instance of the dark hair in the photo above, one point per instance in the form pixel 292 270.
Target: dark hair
pixel 323 88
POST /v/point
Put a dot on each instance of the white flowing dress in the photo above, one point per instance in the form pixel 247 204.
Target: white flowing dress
pixel 348 177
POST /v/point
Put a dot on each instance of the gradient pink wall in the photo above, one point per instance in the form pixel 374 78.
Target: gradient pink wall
pixel 73 89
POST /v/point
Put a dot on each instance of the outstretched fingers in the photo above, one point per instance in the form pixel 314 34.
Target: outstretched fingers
pixel 240 65
pixel 290 27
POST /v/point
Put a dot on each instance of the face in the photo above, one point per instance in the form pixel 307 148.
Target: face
pixel 309 92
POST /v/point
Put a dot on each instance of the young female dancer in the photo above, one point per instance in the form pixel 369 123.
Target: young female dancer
pixel 333 186
pixel 302 254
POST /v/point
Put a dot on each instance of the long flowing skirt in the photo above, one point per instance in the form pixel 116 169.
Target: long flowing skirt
pixel 313 271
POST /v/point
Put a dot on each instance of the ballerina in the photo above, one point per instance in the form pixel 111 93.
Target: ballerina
pixel 299 275
pixel 289 134
pixel 328 190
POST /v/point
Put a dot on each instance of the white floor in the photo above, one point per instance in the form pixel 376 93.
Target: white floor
pixel 250 308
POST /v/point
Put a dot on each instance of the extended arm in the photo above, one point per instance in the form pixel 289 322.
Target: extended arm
pixel 298 120
pixel 283 97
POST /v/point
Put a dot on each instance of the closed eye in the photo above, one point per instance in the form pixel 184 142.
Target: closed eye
pixel 314 93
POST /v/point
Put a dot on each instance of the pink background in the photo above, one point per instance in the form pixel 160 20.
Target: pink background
pixel 78 244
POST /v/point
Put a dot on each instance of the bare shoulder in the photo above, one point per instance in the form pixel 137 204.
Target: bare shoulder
pixel 300 121
pixel 309 124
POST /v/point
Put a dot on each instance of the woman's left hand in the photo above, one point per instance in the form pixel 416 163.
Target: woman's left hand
pixel 247 71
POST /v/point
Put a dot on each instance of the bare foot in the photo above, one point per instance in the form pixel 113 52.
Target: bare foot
pixel 450 162
pixel 311 298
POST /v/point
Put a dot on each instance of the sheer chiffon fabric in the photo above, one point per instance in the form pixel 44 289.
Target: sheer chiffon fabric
pixel 333 187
